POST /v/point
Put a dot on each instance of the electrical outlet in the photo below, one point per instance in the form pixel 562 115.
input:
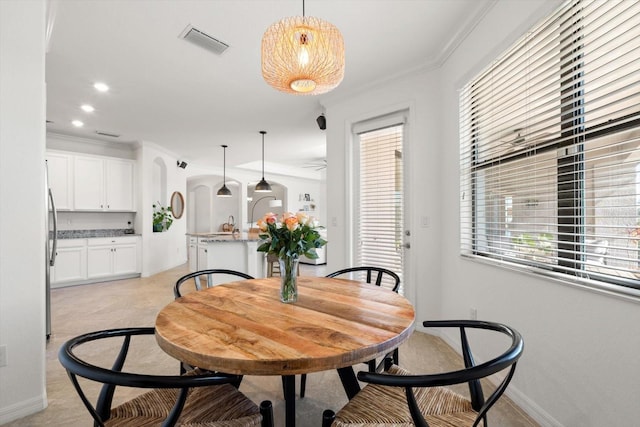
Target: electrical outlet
pixel 3 355
pixel 473 313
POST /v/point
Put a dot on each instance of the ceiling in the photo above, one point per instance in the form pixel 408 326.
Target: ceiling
pixel 188 100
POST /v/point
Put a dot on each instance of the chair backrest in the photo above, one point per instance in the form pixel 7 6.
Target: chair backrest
pixel 206 276
pixel 471 374
pixel 112 377
pixel 382 276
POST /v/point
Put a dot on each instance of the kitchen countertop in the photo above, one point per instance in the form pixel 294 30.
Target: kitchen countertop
pixel 87 234
pixel 225 237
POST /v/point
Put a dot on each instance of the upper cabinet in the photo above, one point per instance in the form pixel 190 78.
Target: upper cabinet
pixel 103 184
pixel 93 183
pixel 89 185
pixel 60 174
pixel 119 185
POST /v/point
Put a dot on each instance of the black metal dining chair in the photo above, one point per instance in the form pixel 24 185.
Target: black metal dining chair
pixel 204 279
pixel 196 398
pixel 380 277
pixel 397 397
pixel 206 276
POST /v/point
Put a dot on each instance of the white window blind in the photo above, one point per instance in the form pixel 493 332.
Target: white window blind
pixel 380 204
pixel 550 148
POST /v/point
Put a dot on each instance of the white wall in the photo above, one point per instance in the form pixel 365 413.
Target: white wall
pixel 581 360
pixel 580 364
pixel 22 213
pixel 418 94
pixel 160 251
pixel 294 186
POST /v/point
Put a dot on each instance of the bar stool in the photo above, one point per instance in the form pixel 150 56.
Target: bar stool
pixel 273 266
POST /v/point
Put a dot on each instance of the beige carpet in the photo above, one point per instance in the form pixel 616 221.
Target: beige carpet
pixel 135 302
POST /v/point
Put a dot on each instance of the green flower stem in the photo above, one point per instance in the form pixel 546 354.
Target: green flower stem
pixel 288 279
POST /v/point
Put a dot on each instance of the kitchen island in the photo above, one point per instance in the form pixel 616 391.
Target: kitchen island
pixel 231 251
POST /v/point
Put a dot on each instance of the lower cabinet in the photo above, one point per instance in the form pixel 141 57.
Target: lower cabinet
pixel 203 262
pixel 71 261
pixel 112 257
pixel 193 254
pixel 90 260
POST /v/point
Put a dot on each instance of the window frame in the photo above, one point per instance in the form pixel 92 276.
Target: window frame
pixel 570 173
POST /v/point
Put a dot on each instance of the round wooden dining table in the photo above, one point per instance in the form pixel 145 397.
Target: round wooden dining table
pixel 243 328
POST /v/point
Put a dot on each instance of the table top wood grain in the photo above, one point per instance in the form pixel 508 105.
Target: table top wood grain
pixel 243 328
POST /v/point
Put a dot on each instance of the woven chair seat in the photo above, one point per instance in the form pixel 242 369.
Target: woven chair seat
pixel 219 406
pixel 380 406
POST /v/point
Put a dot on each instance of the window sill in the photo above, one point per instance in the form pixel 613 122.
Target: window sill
pixel 596 286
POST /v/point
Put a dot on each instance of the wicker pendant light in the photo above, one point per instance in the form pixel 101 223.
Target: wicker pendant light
pixel 303 55
pixel 263 186
pixel 224 191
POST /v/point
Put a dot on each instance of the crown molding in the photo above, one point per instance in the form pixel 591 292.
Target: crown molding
pixel 432 64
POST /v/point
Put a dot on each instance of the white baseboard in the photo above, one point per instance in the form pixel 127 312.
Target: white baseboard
pixel 22 409
pixel 532 409
pixel 529 406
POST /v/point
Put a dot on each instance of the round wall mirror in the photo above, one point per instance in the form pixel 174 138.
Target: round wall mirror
pixel 177 204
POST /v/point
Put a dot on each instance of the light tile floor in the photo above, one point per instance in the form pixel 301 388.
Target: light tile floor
pixel 135 302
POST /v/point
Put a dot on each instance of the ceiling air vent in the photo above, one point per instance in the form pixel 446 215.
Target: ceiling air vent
pixel 112 135
pixel 204 40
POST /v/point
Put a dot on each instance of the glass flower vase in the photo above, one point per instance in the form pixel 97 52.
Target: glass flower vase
pixel 288 279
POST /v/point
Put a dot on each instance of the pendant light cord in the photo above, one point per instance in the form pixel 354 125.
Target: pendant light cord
pixel 263 132
pixel 224 165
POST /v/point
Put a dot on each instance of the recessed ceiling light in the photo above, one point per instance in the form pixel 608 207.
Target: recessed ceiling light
pixel 87 108
pixel 77 123
pixel 101 87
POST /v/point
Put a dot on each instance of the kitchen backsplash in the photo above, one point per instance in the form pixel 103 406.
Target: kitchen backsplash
pixel 74 221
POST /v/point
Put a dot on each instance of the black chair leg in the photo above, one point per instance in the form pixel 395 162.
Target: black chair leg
pixel 236 383
pixel 303 384
pixel 388 362
pixel 372 365
pixel 266 410
pixel 327 418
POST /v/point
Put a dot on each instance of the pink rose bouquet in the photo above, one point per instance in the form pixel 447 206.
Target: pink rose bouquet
pixel 291 235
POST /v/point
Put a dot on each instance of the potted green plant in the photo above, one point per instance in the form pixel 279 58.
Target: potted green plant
pixel 162 218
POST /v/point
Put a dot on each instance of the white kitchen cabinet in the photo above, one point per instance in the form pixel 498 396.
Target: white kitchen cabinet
pixel 125 259
pixel 70 263
pixel 103 184
pixel 113 256
pixel 193 254
pixel 203 255
pixel 60 174
pixel 119 185
pixel 99 261
pixel 89 183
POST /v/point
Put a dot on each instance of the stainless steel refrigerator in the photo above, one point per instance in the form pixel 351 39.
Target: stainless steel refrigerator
pixel 51 243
